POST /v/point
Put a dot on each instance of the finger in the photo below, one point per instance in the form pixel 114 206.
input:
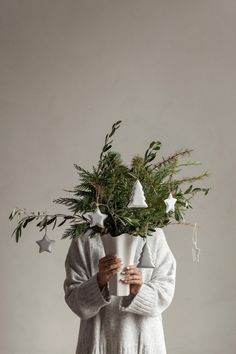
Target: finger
pixel 112 271
pixel 132 277
pixel 109 262
pixel 130 267
pixel 111 267
pixel 133 281
pixel 132 271
pixel 107 267
pixel 107 258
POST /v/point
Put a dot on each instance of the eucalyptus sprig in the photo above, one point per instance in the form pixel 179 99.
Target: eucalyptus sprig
pixel 46 219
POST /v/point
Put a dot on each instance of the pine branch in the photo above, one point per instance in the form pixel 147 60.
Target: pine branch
pixel 66 201
pixel 191 179
pixel 74 231
pixel 170 158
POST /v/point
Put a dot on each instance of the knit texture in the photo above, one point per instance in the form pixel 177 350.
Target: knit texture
pixel 119 325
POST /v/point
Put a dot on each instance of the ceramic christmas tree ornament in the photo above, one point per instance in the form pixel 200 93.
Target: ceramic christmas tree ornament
pixel 146 259
pixel 137 199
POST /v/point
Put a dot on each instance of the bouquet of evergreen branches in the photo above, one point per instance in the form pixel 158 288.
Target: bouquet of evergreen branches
pixel 109 186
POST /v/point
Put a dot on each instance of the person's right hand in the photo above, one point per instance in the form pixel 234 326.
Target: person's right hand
pixel 108 266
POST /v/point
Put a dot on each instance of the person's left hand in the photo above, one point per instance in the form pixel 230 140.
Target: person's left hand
pixel 133 277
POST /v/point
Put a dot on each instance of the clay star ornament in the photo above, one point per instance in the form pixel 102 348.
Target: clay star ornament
pixel 45 244
pixel 97 218
pixel 170 203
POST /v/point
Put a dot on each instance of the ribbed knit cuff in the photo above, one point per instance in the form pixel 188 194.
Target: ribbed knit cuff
pixel 93 294
pixel 105 292
pixel 142 303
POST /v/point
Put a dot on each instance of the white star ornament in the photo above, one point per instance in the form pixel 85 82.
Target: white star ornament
pixel 97 218
pixel 170 203
pixel 45 244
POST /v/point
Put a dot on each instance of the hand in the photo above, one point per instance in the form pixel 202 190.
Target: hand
pixel 134 278
pixel 108 266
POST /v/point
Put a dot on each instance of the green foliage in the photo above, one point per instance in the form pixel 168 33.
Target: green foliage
pixel 42 224
pixel 110 184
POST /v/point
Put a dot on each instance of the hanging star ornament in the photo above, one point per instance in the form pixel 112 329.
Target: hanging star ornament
pixel 97 218
pixel 170 203
pixel 45 244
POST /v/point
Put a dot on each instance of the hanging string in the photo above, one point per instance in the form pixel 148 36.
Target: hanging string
pixel 195 249
pixel 45 230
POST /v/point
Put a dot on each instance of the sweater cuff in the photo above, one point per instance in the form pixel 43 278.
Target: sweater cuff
pixel 93 293
pixel 142 303
pixel 105 292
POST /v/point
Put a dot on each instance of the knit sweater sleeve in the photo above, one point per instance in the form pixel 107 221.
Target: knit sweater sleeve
pixel 81 290
pixel 156 294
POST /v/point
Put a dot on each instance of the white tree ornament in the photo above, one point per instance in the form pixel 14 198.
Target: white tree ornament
pixel 97 218
pixel 45 244
pixel 137 199
pixel 170 203
pixel 146 259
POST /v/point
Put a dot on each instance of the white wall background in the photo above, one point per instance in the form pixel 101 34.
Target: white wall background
pixel 68 71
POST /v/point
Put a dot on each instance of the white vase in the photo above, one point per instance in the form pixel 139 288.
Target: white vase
pixel 124 246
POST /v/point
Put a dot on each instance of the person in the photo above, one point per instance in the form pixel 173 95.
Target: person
pixel 119 324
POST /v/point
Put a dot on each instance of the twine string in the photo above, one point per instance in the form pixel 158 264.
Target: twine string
pixel 195 248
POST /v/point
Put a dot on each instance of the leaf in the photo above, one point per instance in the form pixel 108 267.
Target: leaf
pixel 196 189
pixel 54 223
pixel 43 222
pixel 51 220
pixel 61 223
pixel 14 231
pixel 11 216
pixel 18 233
pixel 151 229
pixel 27 221
pixel 177 215
pixel 180 202
pixel 157 147
pixel 106 147
pixel 152 144
pixel 128 220
pixel 188 189
pixel 129 173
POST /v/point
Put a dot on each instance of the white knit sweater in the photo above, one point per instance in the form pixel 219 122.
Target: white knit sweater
pixel 119 325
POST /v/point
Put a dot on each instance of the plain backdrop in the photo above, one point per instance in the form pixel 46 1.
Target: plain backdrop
pixel 68 70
